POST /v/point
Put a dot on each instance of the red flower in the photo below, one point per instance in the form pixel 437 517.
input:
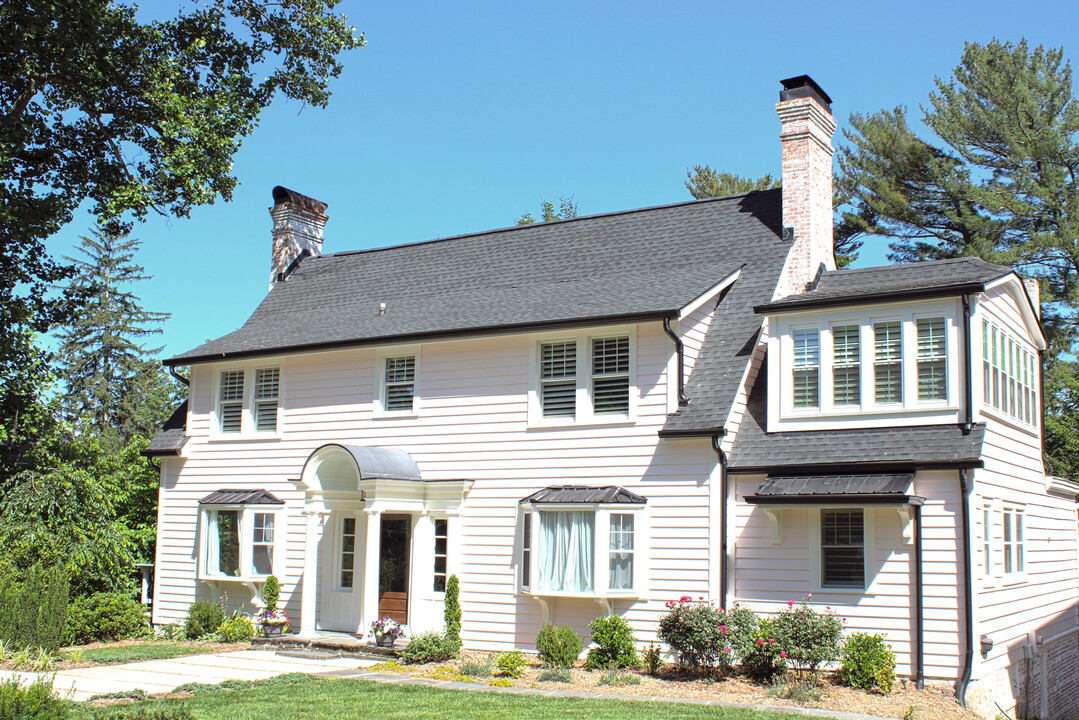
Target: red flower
pixel 686 598
pixel 790 603
pixel 772 641
pixel 670 604
pixel 760 641
pixel 782 654
pixel 727 649
pixel 700 597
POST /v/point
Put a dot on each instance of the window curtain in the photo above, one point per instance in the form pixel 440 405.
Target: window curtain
pixel 213 544
pixel 567 541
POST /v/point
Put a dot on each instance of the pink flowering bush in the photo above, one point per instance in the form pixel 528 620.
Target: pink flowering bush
pixel 765 657
pixel 810 638
pixel 705 637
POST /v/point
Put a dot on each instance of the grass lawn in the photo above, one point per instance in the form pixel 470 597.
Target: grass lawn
pixel 134 652
pixel 300 697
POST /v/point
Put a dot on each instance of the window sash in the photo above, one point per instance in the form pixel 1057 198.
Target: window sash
pixel 888 362
pixel 262 544
pixel 348 553
pixel 806 373
pixel 223 545
pixel 399 383
pixel 441 553
pixel 932 354
pixel 846 365
pixel 526 550
pixel 567 551
pixel 621 552
pixel 230 406
pixel 842 549
pixel 610 376
pixel 558 378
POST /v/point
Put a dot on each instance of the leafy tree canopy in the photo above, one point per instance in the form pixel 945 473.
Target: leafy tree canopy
pixel 566 209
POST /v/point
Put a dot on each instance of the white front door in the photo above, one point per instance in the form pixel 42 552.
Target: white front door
pixel 342 577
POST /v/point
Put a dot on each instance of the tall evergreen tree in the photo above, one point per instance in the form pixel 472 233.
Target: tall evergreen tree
pixel 566 209
pixel 999 180
pixel 102 356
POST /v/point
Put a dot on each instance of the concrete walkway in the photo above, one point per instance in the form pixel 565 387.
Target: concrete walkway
pixel 158 676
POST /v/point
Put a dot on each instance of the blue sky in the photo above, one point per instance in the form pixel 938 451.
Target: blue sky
pixel 459 117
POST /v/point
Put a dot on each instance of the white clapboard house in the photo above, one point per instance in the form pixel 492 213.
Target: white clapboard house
pixel 598 415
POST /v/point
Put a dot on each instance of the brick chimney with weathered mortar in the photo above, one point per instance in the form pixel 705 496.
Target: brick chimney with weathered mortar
pixel 806 114
pixel 298 222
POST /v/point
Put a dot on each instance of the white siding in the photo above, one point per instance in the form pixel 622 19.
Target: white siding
pixel 693 328
pixel 471 422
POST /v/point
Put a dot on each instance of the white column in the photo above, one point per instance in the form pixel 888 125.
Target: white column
pixel 309 595
pixel 369 611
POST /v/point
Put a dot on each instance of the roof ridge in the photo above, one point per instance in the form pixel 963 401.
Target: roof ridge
pixel 547 223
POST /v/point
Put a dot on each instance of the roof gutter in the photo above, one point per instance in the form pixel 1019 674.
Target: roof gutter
pixel 508 328
pixel 868 298
pixel 680 353
pixel 178 376
pixel 861 467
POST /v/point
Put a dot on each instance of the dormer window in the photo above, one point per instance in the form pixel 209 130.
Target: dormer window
pixel 846 365
pixel 887 362
pixel 806 368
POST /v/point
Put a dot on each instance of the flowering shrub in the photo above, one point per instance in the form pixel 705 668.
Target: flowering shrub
pixel 810 638
pixel 276 616
pixel 705 636
pixel 764 658
pixel 386 626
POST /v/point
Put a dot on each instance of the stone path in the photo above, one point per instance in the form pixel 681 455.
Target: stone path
pixel 158 676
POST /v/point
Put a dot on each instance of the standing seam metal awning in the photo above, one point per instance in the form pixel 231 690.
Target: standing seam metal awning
pixel 838 489
pixel 584 494
pixel 241 497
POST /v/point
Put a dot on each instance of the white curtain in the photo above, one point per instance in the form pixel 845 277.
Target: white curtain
pixel 567 542
pixel 213 545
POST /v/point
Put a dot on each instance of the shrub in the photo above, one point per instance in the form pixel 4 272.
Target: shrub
pixel 619 677
pixel 512 663
pixel 615 644
pixel 428 647
pixel 810 638
pixel 556 674
pixel 104 616
pixel 271 593
pixel 706 636
pixel 31 702
pixel 868 662
pixel 236 629
pixel 33 609
pixel 452 614
pixel 764 660
pixel 558 646
pixel 203 617
pixel 653 660
pixel 477 667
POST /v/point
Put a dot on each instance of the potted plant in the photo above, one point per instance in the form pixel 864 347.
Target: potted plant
pixel 386 631
pixel 274 620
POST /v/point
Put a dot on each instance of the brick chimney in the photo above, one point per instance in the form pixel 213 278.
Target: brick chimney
pixel 806 114
pixel 298 222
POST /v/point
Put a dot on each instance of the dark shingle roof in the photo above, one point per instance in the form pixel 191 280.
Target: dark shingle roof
pixel 172 436
pixel 584 494
pixel 889 282
pixel 622 266
pixel 241 497
pixel 896 447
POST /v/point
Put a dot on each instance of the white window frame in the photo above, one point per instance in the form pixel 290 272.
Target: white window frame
pixel 1007 382
pixel 381 357
pixel 869 548
pixel 1015 549
pixel 246 514
pixel 584 413
pixel 248 430
pixel 601 549
pixel 830 414
pixel 993 575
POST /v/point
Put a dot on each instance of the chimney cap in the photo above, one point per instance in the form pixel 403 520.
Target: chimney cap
pixel 804 86
pixel 284 195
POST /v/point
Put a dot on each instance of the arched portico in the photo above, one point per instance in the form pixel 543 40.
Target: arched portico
pixel 374 517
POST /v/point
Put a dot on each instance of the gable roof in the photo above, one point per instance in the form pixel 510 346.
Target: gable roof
pixel 891 282
pixel 619 267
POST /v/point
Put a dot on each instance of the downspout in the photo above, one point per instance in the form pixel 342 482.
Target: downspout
pixel 968 661
pixel 968 389
pixel 178 376
pixel 919 612
pixel 722 519
pixel 680 352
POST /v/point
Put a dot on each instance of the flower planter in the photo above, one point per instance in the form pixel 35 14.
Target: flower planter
pixel 272 630
pixel 385 640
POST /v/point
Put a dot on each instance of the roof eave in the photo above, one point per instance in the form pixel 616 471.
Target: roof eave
pixel 872 466
pixel 869 298
pixel 505 329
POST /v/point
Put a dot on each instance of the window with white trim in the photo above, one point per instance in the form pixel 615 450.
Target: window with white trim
pixel 347 559
pixel 888 362
pixel 1014 543
pixel 932 359
pixel 237 541
pixel 442 538
pixel 846 365
pixel 1009 375
pixel 583 378
pixel 987 538
pixel 399 383
pixel 248 401
pixel 842 547
pixel 580 551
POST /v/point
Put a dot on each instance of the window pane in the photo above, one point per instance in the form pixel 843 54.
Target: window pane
pixel 261 559
pixel 348 552
pixel 231 417
pixel 887 366
pixel 400 383
pixel 846 365
pixel 558 386
pixel 610 356
pixel 842 548
pixel 232 385
pixel 621 556
pixel 932 384
pixel 441 543
pixel 266 416
pixel 567 546
pixel 610 376
pixel 610 396
pixel 267 382
pixel 228 542
pixel 806 368
pixel 526 550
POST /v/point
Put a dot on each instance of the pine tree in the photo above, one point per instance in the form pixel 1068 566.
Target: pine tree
pixel 999 180
pixel 102 359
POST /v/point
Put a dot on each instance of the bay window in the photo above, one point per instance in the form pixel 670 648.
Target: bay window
pixel 1009 375
pixel 571 547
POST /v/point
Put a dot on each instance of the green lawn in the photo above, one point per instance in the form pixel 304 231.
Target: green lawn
pixel 112 654
pixel 300 697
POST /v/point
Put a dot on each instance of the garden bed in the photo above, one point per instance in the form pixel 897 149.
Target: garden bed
pixel 933 702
